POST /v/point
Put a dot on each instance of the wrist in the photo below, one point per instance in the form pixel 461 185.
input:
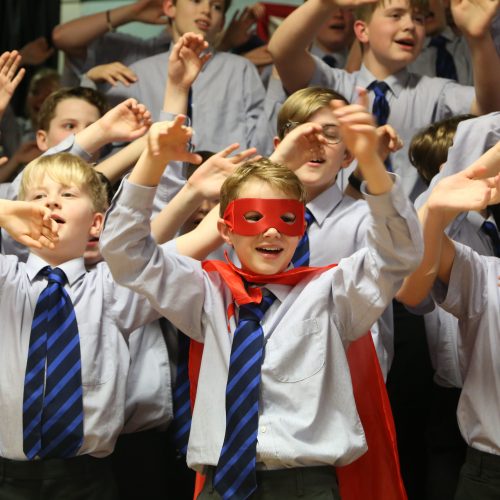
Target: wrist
pixel 109 23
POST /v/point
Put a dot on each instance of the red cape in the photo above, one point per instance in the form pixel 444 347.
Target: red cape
pixel 376 474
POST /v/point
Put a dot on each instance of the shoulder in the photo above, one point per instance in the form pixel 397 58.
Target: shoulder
pixel 146 64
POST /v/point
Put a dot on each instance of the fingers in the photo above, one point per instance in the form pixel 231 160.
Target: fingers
pixel 227 151
pixel 3 160
pixel 243 156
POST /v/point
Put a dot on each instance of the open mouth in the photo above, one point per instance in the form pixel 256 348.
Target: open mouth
pixel 317 161
pixel 340 27
pixel 202 25
pixel 406 42
pixel 58 219
pixel 270 250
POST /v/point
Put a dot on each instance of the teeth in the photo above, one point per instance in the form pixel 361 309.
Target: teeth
pixel 274 250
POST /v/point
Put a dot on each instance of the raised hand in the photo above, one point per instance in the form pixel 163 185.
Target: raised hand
pixel 36 52
pixel 29 223
pixel 127 121
pixel 186 59
pixel 209 176
pixel 169 141
pixel 303 143
pixel 357 127
pixel 10 77
pixel 388 141
pixel 238 30
pixel 474 17
pixel 112 73
pixel 150 12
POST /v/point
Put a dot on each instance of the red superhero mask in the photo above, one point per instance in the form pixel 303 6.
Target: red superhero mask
pixel 286 216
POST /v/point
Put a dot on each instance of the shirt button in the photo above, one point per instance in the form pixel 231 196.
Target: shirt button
pixel 263 429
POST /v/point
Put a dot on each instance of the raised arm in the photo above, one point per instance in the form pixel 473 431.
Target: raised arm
pixel 186 59
pixel 467 190
pixel 74 36
pixel 474 18
pixel 10 77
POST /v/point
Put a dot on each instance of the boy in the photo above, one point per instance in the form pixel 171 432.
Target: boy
pixel 41 454
pixel 392 34
pixel 308 325
pixel 227 97
pixel 467 286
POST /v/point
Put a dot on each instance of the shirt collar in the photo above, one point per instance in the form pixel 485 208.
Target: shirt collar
pixel 396 82
pixel 325 203
pixel 73 269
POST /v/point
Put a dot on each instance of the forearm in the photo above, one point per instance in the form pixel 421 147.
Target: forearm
pixel 203 240
pixel 374 173
pixel 148 170
pixel 486 67
pixel 289 45
pixel 118 164
pixel 74 36
pixel 7 170
pixel 176 99
pixel 168 222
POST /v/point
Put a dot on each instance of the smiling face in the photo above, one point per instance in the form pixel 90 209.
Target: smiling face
pixel 392 38
pixel 72 209
pixel 204 17
pixel 70 117
pixel 270 251
pixel 337 33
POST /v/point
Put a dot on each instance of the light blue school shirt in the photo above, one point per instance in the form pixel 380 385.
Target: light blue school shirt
pixel 105 313
pixel 425 63
pixel 305 377
pixel 473 296
pixel 415 101
pixel 227 104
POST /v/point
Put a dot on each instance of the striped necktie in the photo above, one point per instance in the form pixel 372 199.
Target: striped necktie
pixel 52 401
pixel 490 229
pixel 302 254
pixel 381 109
pixel 445 65
pixel 235 476
pixel 181 396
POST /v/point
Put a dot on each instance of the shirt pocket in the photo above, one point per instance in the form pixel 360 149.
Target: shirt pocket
pixel 95 349
pixel 297 352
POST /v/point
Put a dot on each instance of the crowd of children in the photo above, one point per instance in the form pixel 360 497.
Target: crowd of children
pixel 225 277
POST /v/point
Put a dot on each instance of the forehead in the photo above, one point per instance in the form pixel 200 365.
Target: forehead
pixel 323 116
pixel 257 188
pixel 74 108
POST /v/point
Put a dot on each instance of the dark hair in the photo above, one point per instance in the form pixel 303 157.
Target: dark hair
pixel 48 109
pixel 429 148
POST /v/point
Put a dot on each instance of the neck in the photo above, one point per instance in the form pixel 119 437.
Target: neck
pixel 381 69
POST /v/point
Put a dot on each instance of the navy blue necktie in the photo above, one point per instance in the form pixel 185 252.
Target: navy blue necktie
pixel 445 66
pixel 302 254
pixel 182 400
pixel 490 229
pixel 330 60
pixel 235 476
pixel 381 109
pixel 52 401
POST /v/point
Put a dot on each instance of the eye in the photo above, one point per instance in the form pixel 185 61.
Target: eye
pixel 253 216
pixel 419 18
pixel 68 126
pixel 217 7
pixel 331 134
pixel 288 218
pixel 68 194
pixel 37 196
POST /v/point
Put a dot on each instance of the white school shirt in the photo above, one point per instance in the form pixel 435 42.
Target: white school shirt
pixel 105 313
pixel 305 377
pixel 227 104
pixel 473 296
pixel 425 63
pixel 415 101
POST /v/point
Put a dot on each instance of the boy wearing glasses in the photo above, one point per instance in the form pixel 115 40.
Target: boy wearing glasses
pixel 339 222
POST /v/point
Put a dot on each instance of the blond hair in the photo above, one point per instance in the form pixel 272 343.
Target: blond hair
pixel 364 12
pixel 265 170
pixel 68 170
pixel 301 105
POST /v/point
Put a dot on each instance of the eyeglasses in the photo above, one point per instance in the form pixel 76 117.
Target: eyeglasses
pixel 330 132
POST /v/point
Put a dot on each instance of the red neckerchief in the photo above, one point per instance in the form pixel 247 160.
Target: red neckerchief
pixel 235 278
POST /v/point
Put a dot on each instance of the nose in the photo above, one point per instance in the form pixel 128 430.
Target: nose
pixel 205 6
pixel 408 22
pixel 272 232
pixel 52 202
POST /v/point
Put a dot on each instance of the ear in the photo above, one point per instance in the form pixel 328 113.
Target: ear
pixel 348 157
pixel 361 30
pixel 42 140
pixel 96 227
pixel 276 141
pixel 169 8
pixel 224 231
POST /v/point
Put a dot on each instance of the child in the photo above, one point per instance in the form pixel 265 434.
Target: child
pixel 75 197
pixel 392 34
pixel 454 265
pixel 308 325
pixel 227 97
